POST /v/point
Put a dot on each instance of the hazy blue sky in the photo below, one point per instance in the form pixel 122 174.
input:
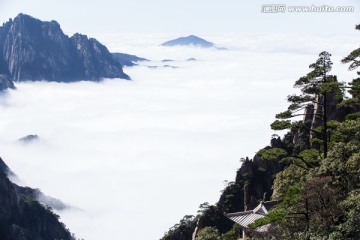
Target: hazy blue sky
pixel 183 16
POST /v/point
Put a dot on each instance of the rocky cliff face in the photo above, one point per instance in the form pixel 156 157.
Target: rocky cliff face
pixel 24 218
pixel 312 119
pixel 253 183
pixel 35 50
pixel 93 59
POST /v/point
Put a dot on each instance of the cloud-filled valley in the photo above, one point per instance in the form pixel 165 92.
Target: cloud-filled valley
pixel 150 150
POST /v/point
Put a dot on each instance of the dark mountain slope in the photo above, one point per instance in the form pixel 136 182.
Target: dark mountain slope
pixel 24 218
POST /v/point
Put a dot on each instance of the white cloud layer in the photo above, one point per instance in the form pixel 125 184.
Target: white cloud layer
pixel 135 156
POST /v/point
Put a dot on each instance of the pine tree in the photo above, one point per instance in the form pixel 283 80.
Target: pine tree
pixel 315 88
pixel 354 59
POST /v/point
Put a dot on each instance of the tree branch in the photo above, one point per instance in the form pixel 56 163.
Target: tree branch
pixel 297 165
pixel 306 114
pixel 303 160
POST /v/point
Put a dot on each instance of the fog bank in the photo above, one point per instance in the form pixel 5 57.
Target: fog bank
pixel 133 157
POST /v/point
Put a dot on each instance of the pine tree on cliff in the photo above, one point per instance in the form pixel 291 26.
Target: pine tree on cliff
pixel 354 59
pixel 315 88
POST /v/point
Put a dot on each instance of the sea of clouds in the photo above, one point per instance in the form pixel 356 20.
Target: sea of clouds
pixel 133 157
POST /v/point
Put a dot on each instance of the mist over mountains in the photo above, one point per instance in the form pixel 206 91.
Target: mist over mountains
pixel 129 150
pixel 36 50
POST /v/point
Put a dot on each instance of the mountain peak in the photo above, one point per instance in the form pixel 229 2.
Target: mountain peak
pixel 188 41
pixel 28 18
pixel 32 49
pixel 24 16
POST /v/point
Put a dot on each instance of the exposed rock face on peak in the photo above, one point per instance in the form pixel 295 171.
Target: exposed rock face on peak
pixel 31 49
pixel 94 60
pixel 189 40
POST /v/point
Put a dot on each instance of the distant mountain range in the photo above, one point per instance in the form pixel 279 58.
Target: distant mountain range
pixel 36 50
pixel 32 50
pixel 191 40
pixel 127 59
